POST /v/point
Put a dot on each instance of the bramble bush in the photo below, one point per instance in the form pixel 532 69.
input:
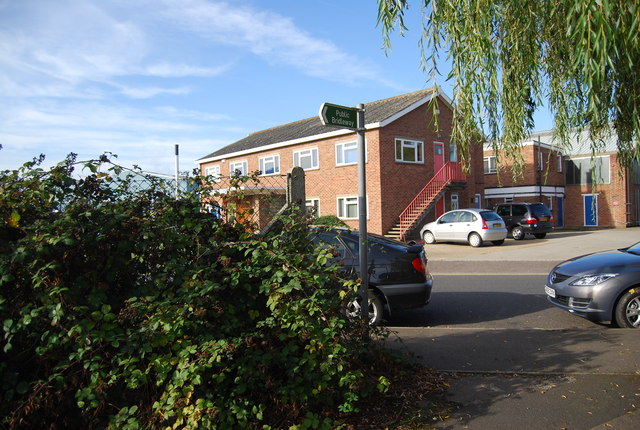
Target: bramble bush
pixel 125 308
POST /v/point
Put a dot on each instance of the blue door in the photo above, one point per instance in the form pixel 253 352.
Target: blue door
pixel 590 210
pixel 560 214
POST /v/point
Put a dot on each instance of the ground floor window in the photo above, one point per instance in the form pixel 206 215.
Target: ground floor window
pixel 454 201
pixel 348 207
pixel 313 206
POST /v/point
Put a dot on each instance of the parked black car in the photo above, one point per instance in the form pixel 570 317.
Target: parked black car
pixel 398 275
pixel 526 218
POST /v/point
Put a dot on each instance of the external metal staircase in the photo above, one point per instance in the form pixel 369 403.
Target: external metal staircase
pixel 426 199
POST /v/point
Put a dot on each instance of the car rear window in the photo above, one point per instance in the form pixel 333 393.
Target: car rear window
pixel 539 210
pixel 490 216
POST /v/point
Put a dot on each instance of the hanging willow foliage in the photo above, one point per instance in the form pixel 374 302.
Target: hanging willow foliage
pixel 579 57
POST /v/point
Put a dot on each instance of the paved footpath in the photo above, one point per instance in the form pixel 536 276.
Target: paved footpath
pixel 531 378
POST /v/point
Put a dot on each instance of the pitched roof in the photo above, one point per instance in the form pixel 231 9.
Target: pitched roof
pixel 376 114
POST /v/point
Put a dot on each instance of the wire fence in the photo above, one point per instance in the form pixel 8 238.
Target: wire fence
pixel 250 200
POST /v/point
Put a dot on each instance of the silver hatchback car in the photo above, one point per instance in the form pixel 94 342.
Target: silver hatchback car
pixel 473 226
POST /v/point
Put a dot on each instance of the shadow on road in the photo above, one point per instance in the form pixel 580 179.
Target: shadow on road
pixel 456 308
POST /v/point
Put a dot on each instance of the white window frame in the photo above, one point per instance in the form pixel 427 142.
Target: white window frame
pixel 342 204
pixel 342 149
pixel 213 171
pixel 242 166
pixel 311 153
pixel 559 162
pixel 453 153
pixel 273 159
pixel 540 161
pixel 455 201
pixel 313 203
pixel 418 146
pixel 492 167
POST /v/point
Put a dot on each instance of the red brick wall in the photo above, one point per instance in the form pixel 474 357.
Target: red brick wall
pixel 612 201
pixel 531 175
pixel 390 185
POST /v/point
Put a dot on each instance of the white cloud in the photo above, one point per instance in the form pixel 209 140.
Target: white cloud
pixel 271 36
pixel 77 48
pixel 167 70
pixel 149 92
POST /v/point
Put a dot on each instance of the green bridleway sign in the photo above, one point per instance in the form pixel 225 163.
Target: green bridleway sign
pixel 353 119
pixel 339 116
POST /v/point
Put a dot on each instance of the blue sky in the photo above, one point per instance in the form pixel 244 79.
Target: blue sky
pixel 136 77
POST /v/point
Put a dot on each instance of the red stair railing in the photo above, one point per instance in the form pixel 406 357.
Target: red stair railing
pixel 451 171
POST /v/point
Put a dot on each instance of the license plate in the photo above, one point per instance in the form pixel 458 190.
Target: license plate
pixel 498 225
pixel 544 219
pixel 550 292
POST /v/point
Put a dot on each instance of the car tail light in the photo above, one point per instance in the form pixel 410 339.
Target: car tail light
pixel 418 264
pixel 550 219
pixel 484 224
pixel 531 220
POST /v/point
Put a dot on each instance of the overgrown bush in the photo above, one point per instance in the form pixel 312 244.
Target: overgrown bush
pixel 330 221
pixel 127 309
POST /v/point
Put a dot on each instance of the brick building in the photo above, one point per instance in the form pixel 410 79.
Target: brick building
pixel 580 190
pixel 408 161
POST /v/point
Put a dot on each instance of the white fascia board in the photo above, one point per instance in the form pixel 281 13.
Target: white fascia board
pixel 488 147
pixel 526 191
pixel 277 145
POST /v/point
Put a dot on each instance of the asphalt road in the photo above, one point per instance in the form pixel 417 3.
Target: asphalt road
pixel 515 360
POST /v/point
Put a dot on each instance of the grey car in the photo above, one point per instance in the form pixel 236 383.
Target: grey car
pixel 472 226
pixel 602 287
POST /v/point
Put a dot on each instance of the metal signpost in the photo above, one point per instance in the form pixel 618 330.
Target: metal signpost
pixel 353 118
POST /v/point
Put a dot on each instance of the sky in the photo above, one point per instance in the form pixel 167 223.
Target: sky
pixel 136 77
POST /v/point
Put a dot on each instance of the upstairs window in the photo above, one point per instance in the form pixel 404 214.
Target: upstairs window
pixel 306 158
pixel 582 171
pixel 346 153
pixel 490 165
pixel 409 151
pixel 213 171
pixel 559 162
pixel 453 153
pixel 238 168
pixel 270 165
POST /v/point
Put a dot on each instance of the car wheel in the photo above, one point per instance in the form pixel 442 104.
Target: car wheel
pixel 376 309
pixel 627 312
pixel 540 235
pixel 517 233
pixel 497 242
pixel 429 237
pixel 475 240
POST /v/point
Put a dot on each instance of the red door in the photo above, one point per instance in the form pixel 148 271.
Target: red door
pixel 438 162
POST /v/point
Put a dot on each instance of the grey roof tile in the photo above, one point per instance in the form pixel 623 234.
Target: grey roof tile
pixel 375 112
